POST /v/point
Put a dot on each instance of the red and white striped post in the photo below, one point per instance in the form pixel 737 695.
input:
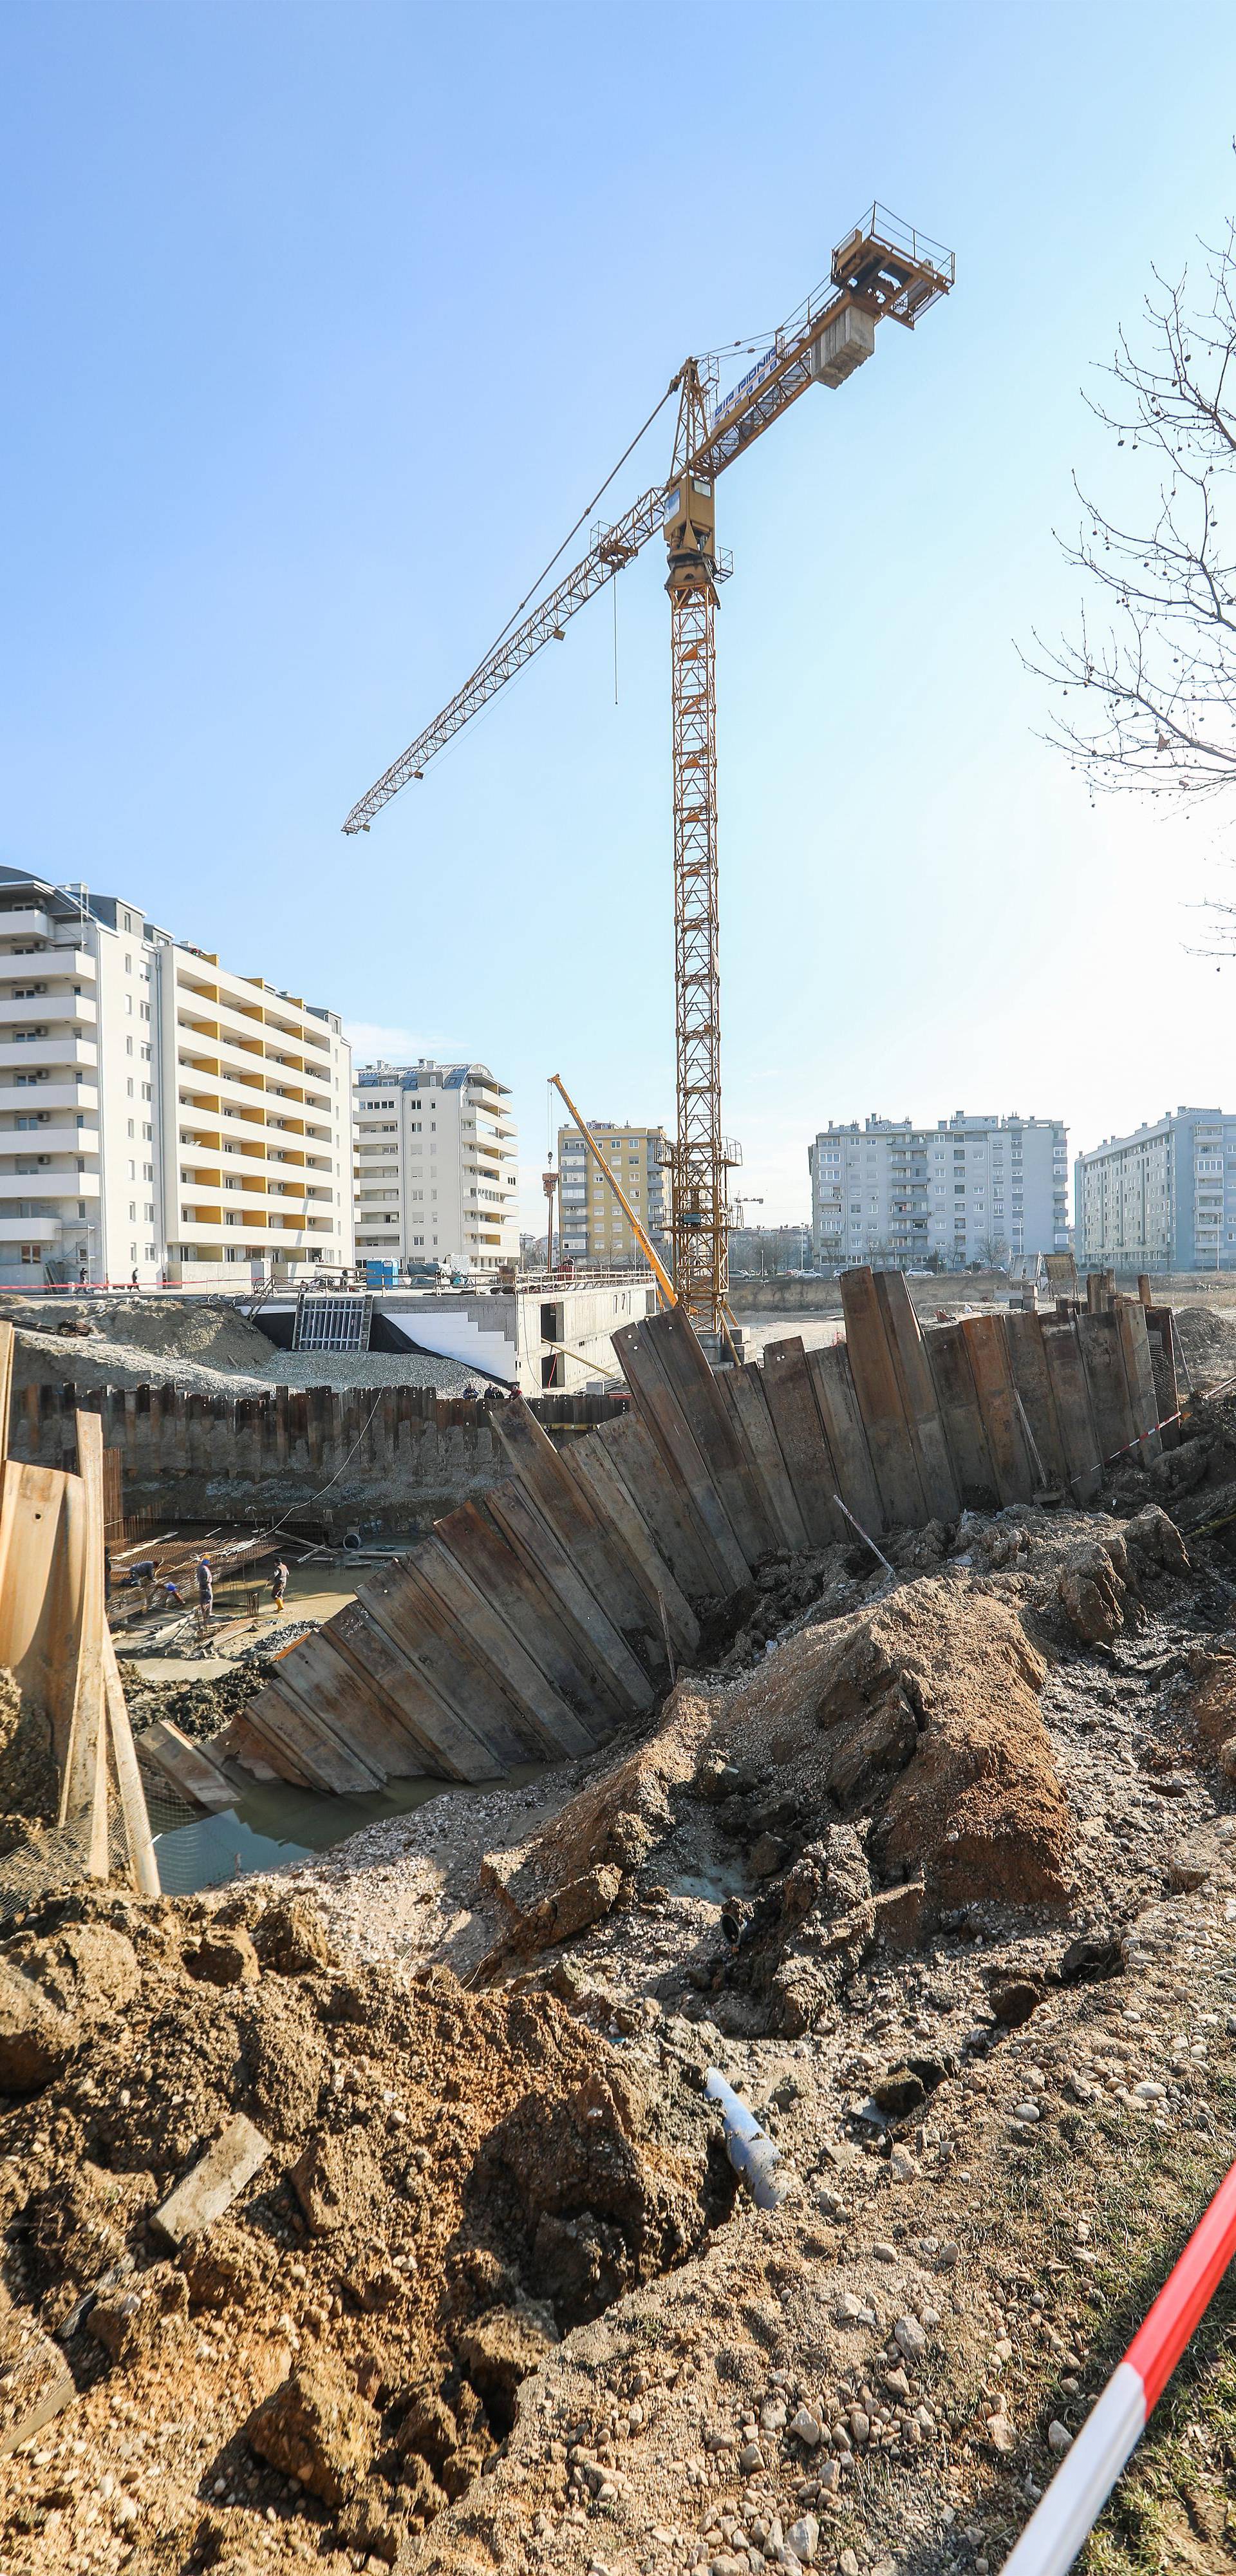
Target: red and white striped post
pixel 1088 2472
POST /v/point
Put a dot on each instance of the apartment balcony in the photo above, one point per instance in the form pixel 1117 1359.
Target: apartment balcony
pixel 74 965
pixel 27 924
pixel 63 1052
pixel 52 1140
pixel 58 1010
pixel 48 1185
pixel 45 1228
pixel 49 1095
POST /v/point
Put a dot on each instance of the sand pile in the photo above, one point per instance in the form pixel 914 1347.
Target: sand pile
pixel 1208 1343
pixel 440 2186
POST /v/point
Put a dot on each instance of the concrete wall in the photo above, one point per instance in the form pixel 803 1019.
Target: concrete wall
pixel 390 1459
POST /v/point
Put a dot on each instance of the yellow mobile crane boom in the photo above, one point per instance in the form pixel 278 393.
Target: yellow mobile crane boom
pixel 881 270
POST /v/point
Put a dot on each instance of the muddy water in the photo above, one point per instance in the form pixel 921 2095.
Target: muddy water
pixel 273 1823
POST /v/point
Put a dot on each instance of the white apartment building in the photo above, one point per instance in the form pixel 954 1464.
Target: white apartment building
pixel 158 1114
pixel 967 1189
pixel 1162 1198
pixel 436 1165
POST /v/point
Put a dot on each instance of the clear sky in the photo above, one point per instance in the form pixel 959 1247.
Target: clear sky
pixel 322 323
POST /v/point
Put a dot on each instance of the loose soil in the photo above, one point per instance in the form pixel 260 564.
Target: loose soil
pixel 938 1869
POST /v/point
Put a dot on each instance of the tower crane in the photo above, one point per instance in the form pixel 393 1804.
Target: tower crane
pixel 881 271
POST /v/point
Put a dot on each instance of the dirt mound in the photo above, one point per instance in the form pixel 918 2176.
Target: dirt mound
pixel 28 1779
pixel 198 1708
pixel 206 1329
pixel 437 2186
pixel 1208 1343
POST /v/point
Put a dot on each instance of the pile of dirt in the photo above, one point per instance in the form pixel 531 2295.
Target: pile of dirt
pixel 437 2187
pixel 28 1778
pixel 207 1330
pixel 201 1708
pixel 1208 1344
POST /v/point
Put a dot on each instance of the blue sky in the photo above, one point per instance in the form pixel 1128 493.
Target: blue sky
pixel 322 324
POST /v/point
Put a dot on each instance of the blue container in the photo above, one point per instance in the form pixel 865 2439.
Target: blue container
pixel 380 1274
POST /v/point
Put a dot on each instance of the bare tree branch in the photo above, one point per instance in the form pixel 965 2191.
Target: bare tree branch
pixel 1146 688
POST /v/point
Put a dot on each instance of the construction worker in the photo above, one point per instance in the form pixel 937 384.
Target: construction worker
pixel 205 1595
pixel 278 1586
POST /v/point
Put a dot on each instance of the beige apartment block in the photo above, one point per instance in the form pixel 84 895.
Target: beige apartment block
pixel 593 1227
pixel 158 1114
pixel 436 1155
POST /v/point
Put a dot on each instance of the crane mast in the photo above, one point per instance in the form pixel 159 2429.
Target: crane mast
pixel 882 269
pixel 698 1223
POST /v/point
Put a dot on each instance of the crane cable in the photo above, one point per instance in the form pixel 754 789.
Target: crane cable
pixel 574 532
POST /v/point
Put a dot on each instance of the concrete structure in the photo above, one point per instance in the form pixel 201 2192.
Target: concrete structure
pixel 157 1113
pixel 436 1165
pixel 548 1336
pixel 1163 1198
pixel 967 1189
pixel 593 1225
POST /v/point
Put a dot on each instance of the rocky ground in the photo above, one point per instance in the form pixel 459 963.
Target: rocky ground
pixel 938 1869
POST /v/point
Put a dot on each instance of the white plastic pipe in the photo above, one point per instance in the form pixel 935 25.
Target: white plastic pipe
pixel 751 2151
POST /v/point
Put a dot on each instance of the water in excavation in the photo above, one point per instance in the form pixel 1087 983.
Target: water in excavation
pixel 273 1823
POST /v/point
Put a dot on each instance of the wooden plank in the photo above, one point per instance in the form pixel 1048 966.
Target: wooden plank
pixel 879 1395
pixel 1007 1448
pixel 841 1418
pixel 128 1778
pixel 83 1780
pixel 163 1748
pixel 1162 1338
pixel 589 1536
pixel 1078 1436
pixel 744 1391
pixel 6 1387
pixel 804 1446
pixel 399 1738
pixel 903 1333
pixel 549 1564
pixel 593 1468
pixel 949 1361
pixel 676 1434
pixel 1130 1316
pixel 291 1728
pixel 404 1680
pixel 484 1554
pixel 660 1500
pixel 724 1454
pixel 467 1640
pixel 1099 1341
pixel 1032 1379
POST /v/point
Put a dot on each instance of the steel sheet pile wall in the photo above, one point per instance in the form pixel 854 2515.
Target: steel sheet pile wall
pixel 536 1620
pixel 401 1453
